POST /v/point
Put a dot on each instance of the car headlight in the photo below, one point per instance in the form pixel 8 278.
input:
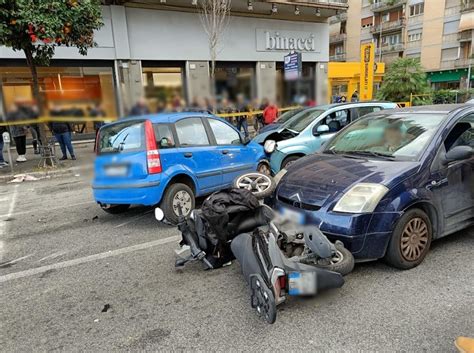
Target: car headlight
pixel 361 198
pixel 269 146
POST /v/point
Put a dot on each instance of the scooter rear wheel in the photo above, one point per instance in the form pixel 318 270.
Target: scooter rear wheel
pixel 262 299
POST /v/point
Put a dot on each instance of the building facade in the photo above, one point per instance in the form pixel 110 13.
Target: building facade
pixel 159 48
pixel 438 32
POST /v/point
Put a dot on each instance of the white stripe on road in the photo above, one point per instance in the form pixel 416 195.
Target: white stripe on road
pixel 90 258
pixel 3 223
pixel 37 210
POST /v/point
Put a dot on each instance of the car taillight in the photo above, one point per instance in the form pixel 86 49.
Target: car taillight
pixel 152 153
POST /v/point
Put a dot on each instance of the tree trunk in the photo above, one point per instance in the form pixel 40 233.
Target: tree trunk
pixel 213 80
pixel 36 92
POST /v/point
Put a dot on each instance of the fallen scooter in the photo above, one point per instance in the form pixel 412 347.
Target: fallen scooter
pixel 278 258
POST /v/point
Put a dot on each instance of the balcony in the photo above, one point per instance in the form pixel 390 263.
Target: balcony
pixel 387 5
pixel 465 36
pixel 338 57
pixel 336 38
pixel 391 48
pixel 467 5
pixel 388 26
pixel 338 18
pixel 463 62
pixel 340 5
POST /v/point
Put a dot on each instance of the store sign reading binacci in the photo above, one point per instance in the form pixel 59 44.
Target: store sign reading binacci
pixel 287 41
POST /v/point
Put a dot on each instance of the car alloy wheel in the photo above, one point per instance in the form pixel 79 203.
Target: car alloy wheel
pixel 182 198
pixel 414 239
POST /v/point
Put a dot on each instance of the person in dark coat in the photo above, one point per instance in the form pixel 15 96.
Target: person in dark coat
pixel 18 132
pixel 140 108
pixel 97 112
pixel 62 133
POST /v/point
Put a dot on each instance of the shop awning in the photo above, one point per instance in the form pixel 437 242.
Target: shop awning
pixel 447 76
pixel 467 21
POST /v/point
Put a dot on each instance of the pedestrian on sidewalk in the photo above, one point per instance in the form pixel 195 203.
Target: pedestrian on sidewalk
pixel 242 119
pixel 270 113
pixel 62 132
pixel 140 108
pixel 2 161
pixel 97 112
pixel 18 132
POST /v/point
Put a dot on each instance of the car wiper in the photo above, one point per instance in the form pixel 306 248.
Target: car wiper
pixel 372 154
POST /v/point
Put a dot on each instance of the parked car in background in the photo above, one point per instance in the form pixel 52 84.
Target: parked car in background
pixel 307 131
pixel 169 159
pixel 389 183
pixel 282 119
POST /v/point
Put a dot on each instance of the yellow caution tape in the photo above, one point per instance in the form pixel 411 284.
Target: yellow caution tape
pixel 80 120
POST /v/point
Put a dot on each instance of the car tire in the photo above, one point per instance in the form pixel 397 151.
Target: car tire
pixel 344 263
pixel 249 181
pixel 410 241
pixel 264 168
pixel 115 209
pixel 288 161
pixel 176 194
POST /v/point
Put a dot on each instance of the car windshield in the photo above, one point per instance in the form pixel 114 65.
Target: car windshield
pixel 286 116
pixel 300 121
pixel 122 137
pixel 392 136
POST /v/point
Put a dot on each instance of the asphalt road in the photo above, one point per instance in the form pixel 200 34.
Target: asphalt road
pixel 63 260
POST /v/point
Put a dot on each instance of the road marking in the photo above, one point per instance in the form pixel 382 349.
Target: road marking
pixel 15 260
pixel 90 258
pixel 37 210
pixel 3 223
pixel 53 255
pixel 134 219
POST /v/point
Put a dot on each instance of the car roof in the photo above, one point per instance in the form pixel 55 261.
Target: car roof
pixel 350 104
pixel 435 109
pixel 167 117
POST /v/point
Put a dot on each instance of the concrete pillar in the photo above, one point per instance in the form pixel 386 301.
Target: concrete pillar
pixel 197 80
pixel 129 83
pixel 321 82
pixel 266 80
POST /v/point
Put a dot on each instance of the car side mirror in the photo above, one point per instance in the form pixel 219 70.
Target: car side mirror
pixel 321 129
pixel 245 140
pixel 457 153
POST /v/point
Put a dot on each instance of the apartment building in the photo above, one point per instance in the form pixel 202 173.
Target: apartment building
pixel 438 32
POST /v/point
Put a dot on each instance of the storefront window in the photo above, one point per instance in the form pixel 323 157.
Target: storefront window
pixel 73 91
pixel 163 87
pixel 299 91
pixel 235 79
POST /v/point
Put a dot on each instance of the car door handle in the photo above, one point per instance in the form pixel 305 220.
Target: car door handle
pixel 225 151
pixel 188 154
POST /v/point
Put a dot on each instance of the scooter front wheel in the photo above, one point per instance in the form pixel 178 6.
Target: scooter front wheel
pixel 342 261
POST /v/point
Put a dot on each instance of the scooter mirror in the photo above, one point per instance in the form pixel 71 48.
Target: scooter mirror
pixel 159 215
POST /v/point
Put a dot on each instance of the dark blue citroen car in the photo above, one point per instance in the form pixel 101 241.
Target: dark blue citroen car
pixel 389 183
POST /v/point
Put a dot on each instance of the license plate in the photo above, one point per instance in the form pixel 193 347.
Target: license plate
pixel 117 170
pixel 295 216
pixel 301 283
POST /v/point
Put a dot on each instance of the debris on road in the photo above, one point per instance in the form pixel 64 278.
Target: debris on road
pixel 19 178
pixel 106 308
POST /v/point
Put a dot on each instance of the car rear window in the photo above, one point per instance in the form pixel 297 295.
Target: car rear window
pixel 122 137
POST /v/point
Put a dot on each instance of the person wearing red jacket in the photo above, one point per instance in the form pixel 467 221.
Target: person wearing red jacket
pixel 270 113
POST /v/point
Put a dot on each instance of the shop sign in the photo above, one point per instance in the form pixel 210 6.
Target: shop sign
pixel 367 63
pixel 285 40
pixel 292 66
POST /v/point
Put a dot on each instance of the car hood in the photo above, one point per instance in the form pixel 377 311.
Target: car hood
pixel 317 179
pixel 278 134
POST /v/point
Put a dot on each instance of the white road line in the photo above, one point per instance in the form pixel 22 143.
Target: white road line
pixel 53 255
pixel 90 258
pixel 37 210
pixel 3 223
pixel 16 260
pixel 134 219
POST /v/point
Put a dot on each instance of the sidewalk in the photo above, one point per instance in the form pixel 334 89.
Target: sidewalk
pixel 85 159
